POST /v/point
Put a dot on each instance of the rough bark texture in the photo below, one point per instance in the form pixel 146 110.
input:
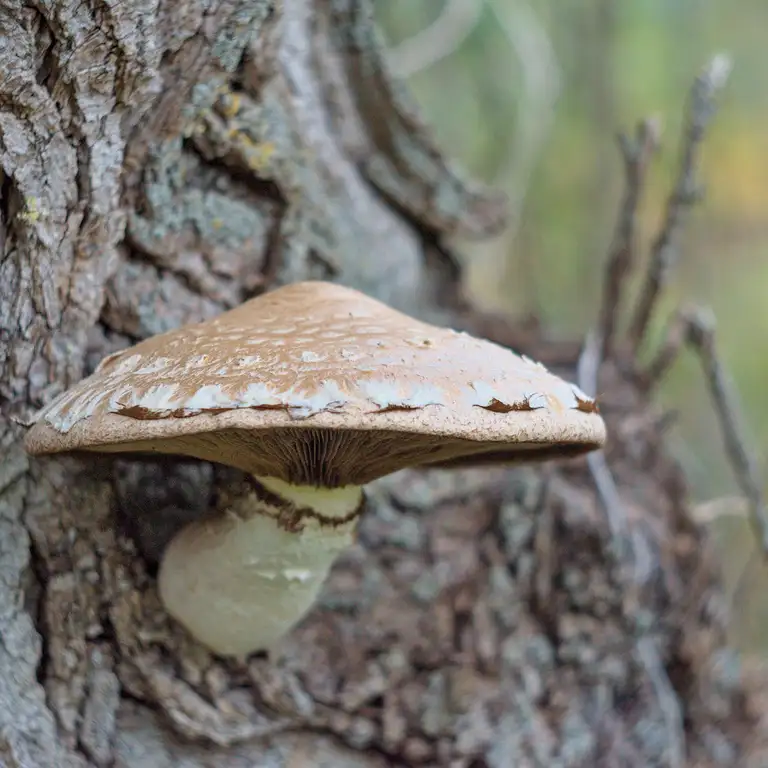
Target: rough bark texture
pixel 162 160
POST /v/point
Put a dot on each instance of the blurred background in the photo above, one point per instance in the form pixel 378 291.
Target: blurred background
pixel 529 95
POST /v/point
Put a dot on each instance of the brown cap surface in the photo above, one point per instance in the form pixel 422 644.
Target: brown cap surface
pixel 315 383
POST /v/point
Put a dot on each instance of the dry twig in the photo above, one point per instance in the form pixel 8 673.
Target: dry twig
pixel 636 153
pixel 586 378
pixel 599 346
pixel 695 328
pixel 675 338
pixel 686 193
pixel 642 566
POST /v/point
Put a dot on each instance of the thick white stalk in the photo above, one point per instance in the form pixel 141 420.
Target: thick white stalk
pixel 240 581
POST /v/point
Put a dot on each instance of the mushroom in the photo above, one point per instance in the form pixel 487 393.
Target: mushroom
pixel 314 390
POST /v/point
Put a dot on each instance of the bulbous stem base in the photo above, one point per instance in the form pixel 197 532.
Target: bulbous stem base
pixel 239 582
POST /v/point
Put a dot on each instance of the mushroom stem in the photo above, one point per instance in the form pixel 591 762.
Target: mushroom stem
pixel 240 581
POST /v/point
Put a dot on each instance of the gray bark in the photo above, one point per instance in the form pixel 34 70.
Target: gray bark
pixel 163 161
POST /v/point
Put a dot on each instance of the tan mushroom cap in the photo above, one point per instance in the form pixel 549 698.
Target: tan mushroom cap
pixel 319 384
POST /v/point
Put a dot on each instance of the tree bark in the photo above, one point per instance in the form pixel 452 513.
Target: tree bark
pixel 163 161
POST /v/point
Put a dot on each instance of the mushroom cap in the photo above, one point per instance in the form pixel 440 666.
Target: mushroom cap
pixel 319 384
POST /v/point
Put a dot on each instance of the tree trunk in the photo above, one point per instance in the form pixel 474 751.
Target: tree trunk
pixel 163 161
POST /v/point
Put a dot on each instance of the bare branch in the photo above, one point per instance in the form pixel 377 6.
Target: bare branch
pixel 588 370
pixel 707 512
pixel 701 337
pixel 642 564
pixel 440 39
pixel 695 328
pixel 636 153
pixel 607 490
pixel 687 192
pixel 675 338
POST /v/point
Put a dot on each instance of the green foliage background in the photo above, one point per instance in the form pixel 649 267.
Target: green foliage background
pixel 617 61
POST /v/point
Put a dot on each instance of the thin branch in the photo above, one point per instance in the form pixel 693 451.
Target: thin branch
pixel 689 328
pixel 701 337
pixel 707 512
pixel 587 373
pixel 675 339
pixel 695 328
pixel 636 152
pixel 607 490
pixel 440 39
pixel 618 522
pixel 687 192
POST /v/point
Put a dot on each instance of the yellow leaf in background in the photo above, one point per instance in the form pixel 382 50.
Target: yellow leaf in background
pixel 736 172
